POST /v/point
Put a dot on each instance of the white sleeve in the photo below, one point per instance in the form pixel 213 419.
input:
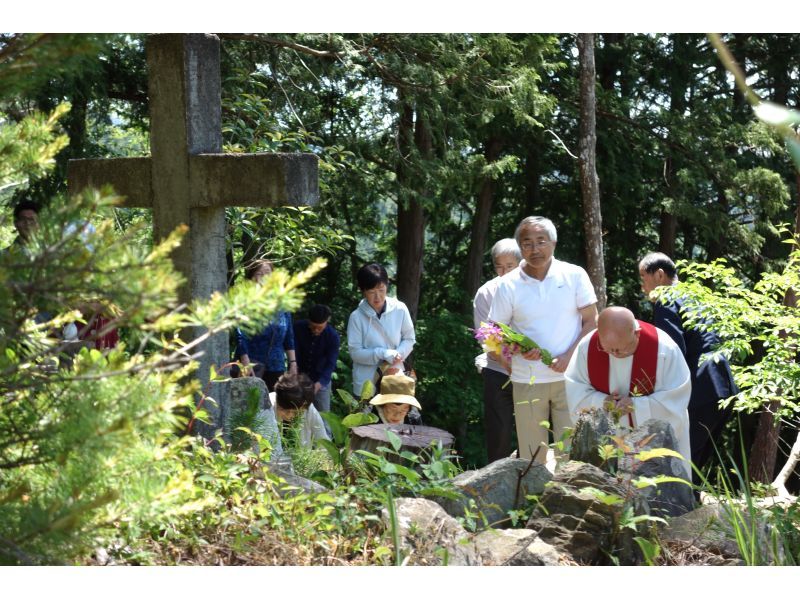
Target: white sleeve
pixel 407 335
pixel 670 399
pixel 480 306
pixel 502 309
pixel 358 352
pixel 313 427
pixel 580 393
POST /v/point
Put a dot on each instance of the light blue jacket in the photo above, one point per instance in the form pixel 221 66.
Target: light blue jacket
pixel 372 340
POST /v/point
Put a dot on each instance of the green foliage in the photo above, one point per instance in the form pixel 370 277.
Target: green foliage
pixel 753 319
pixel 87 438
pixel 449 387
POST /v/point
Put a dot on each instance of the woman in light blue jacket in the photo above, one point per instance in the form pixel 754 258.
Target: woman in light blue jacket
pixel 380 333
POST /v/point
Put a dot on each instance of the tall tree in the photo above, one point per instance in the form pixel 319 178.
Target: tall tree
pixel 590 186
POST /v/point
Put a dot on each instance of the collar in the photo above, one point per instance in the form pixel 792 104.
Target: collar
pixel 555 271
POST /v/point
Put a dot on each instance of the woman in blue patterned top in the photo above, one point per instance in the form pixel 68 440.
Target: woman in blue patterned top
pixel 266 353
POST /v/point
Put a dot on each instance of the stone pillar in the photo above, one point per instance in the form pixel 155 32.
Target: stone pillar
pixel 186 120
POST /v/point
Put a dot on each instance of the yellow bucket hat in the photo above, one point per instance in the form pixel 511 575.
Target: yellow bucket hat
pixel 397 388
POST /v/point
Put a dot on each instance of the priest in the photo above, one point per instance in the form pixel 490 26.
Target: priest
pixel 634 370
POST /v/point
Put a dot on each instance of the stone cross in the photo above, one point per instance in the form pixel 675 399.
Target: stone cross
pixel 187 179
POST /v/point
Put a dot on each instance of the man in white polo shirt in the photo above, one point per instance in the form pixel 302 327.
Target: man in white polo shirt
pixel 554 304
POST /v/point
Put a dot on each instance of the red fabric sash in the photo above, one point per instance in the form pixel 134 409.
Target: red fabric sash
pixel 645 362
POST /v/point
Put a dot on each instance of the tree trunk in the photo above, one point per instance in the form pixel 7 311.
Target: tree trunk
pixel 410 213
pixel 667 233
pixel 413 438
pixel 765 446
pixel 480 224
pixel 590 187
pixel 761 465
pixel 533 178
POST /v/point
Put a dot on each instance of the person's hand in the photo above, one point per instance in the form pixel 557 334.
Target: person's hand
pixel 390 371
pixel 391 356
pixel 617 405
pixel 293 368
pixel 398 359
pixel 532 355
pixel 317 386
pixel 560 363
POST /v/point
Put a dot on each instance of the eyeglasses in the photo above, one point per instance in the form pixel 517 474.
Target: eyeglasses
pixel 528 245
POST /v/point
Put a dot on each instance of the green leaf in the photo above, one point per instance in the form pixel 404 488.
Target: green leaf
pixel 394 440
pixel 644 482
pixel 338 429
pixel 650 550
pixel 603 497
pixel 359 419
pixel 657 452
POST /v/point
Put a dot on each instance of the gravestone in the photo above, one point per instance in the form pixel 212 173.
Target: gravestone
pixel 188 180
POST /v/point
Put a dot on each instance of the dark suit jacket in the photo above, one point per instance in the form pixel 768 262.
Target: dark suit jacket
pixel 712 380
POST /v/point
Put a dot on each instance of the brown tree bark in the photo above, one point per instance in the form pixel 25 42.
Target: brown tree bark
pixel 590 186
pixel 480 223
pixel 763 455
pixel 414 134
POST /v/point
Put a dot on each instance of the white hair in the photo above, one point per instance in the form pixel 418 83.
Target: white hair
pixel 506 246
pixel 540 221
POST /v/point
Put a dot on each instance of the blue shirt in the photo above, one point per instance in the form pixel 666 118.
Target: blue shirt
pixel 316 355
pixel 270 345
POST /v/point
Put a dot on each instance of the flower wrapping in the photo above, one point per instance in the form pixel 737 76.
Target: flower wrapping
pixel 499 338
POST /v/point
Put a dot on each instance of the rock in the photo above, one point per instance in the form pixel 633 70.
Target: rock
pixel 668 498
pixel 236 397
pixel 517 547
pixel 709 528
pixel 539 553
pixel 497 488
pixel 592 430
pixel 573 519
pixel 497 546
pixel 425 529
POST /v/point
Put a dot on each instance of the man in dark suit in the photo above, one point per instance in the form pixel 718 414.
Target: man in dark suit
pixel 712 380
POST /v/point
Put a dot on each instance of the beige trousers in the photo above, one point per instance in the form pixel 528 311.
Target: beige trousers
pixel 535 403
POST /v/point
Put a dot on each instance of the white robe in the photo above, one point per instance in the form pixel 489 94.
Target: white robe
pixel 668 401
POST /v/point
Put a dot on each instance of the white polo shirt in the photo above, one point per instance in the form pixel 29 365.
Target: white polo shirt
pixel 480 313
pixel 546 311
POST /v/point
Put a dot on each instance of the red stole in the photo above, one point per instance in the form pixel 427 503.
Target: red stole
pixel 645 362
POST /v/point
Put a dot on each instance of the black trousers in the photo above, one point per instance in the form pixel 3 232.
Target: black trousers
pixel 498 414
pixel 706 423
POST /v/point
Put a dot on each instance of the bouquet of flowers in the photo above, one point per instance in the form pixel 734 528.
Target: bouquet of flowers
pixel 499 338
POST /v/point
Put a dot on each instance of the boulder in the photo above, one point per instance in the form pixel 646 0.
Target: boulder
pixel 497 488
pixel 237 397
pixel 429 536
pixel 668 498
pixel 498 546
pixel 592 430
pixel 580 512
pixel 518 547
pixel 710 528
pixel 539 553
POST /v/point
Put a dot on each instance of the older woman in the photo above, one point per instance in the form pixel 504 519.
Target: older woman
pixel 396 399
pixel 498 402
pixel 380 331
pixel 273 347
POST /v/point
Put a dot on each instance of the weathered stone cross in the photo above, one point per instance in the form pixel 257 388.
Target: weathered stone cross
pixel 187 179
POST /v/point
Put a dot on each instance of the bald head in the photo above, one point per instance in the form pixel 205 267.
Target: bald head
pixel 618 331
